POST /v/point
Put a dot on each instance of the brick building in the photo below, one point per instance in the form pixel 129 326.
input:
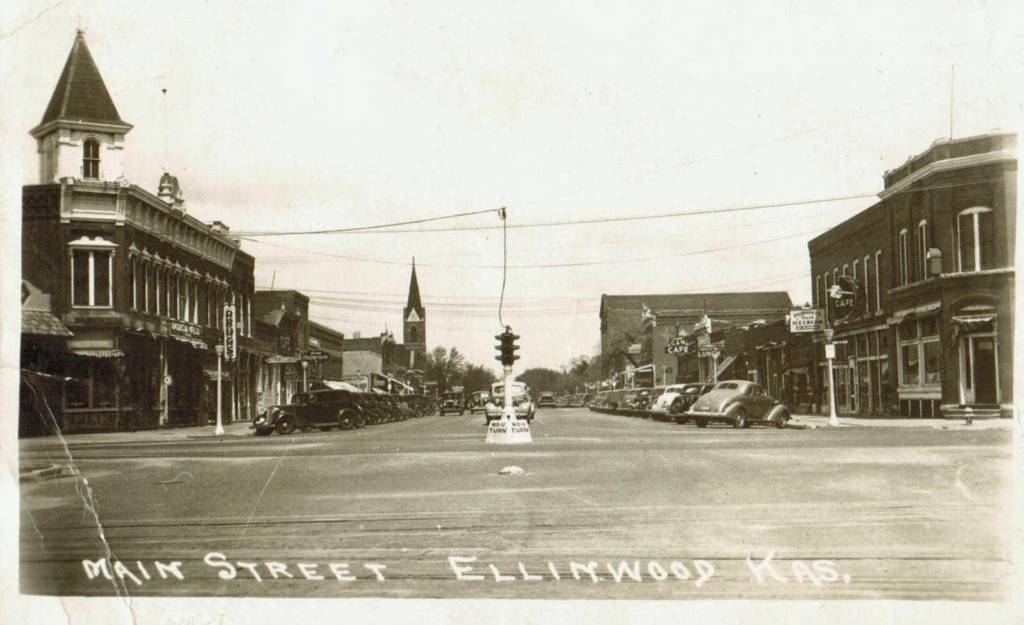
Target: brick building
pixel 138 282
pixel 635 329
pixel 932 330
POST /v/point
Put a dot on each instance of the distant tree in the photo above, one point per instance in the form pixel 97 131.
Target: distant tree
pixel 541 379
pixel 478 378
pixel 445 367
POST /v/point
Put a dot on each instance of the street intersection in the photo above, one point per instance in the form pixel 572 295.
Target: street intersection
pixel 605 507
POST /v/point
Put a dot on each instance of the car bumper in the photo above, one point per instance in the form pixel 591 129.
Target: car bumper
pixel 709 416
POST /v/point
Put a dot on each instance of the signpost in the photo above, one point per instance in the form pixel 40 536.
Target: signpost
pixel 830 354
pixel 219 431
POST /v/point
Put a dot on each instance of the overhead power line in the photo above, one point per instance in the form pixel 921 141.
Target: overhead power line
pixel 411 222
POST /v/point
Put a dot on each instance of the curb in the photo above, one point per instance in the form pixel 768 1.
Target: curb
pixel 47 473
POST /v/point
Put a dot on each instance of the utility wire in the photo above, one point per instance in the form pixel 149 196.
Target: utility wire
pixel 503 213
pixel 276 233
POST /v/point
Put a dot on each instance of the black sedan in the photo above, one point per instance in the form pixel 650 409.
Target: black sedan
pixel 321 409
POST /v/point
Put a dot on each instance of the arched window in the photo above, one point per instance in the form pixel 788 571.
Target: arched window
pixel 91 159
pixel 414 334
pixel 976 239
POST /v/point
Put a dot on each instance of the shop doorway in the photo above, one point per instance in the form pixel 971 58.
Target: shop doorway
pixel 979 383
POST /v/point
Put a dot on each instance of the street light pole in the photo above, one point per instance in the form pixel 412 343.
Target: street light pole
pixel 830 354
pixel 219 431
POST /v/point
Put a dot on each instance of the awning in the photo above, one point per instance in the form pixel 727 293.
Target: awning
pixel 974 323
pixel 42 323
pixel 194 343
pixel 338 385
pixel 723 367
pixel 211 374
pixel 797 371
pixel 898 317
pixel 98 353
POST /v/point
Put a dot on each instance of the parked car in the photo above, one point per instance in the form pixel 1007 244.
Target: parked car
pixel 676 400
pixel 321 409
pixel 397 408
pixel 376 411
pixel 740 403
pixel 546 400
pixel 452 403
pixel 478 401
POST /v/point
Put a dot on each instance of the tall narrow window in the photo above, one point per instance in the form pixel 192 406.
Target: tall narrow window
pixel 90 277
pixel 867 285
pixel 878 281
pixel 91 159
pixel 922 243
pixel 904 257
pixel 135 283
pixel 158 306
pixel 976 239
pixel 817 292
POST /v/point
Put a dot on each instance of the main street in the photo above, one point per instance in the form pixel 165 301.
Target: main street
pixel 607 507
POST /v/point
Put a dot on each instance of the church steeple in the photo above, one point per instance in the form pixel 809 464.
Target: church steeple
pixel 414 324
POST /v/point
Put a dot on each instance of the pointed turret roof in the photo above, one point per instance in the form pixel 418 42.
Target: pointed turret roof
pixel 414 292
pixel 81 95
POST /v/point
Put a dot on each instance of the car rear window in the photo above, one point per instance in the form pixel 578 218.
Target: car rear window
pixel 728 385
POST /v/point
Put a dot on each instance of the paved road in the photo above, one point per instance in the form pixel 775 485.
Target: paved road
pixel 608 506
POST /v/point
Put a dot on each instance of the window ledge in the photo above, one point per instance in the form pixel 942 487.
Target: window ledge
pixel 983 272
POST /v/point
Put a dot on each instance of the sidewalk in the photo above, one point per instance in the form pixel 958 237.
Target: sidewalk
pixel 821 421
pixel 238 429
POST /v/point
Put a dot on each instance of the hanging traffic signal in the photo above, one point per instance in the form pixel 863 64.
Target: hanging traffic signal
pixel 507 348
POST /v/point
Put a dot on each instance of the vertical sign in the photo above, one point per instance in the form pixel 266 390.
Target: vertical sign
pixel 230 334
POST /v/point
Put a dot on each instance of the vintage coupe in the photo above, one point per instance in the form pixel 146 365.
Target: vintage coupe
pixel 740 403
pixel 321 409
pixel 676 400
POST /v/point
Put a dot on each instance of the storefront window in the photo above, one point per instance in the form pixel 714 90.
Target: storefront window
pixel 91 383
pixel 909 363
pixel 920 358
pixel 931 362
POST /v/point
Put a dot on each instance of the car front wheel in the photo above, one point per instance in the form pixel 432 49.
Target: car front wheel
pixel 285 425
pixel 781 423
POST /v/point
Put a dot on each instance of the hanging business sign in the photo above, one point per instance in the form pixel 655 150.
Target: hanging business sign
pixel 842 298
pixel 709 350
pixel 316 355
pixel 230 334
pixel 806 320
pixel 677 345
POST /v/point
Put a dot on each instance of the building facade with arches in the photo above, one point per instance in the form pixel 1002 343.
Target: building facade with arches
pixel 933 260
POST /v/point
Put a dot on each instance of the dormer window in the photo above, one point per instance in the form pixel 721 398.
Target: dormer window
pixel 91 159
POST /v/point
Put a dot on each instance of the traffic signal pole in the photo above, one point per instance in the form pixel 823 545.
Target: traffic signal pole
pixel 509 428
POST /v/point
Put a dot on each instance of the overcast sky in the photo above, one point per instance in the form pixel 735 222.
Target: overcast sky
pixel 303 116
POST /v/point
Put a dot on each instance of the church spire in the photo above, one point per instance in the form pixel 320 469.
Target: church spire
pixel 414 326
pixel 414 292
